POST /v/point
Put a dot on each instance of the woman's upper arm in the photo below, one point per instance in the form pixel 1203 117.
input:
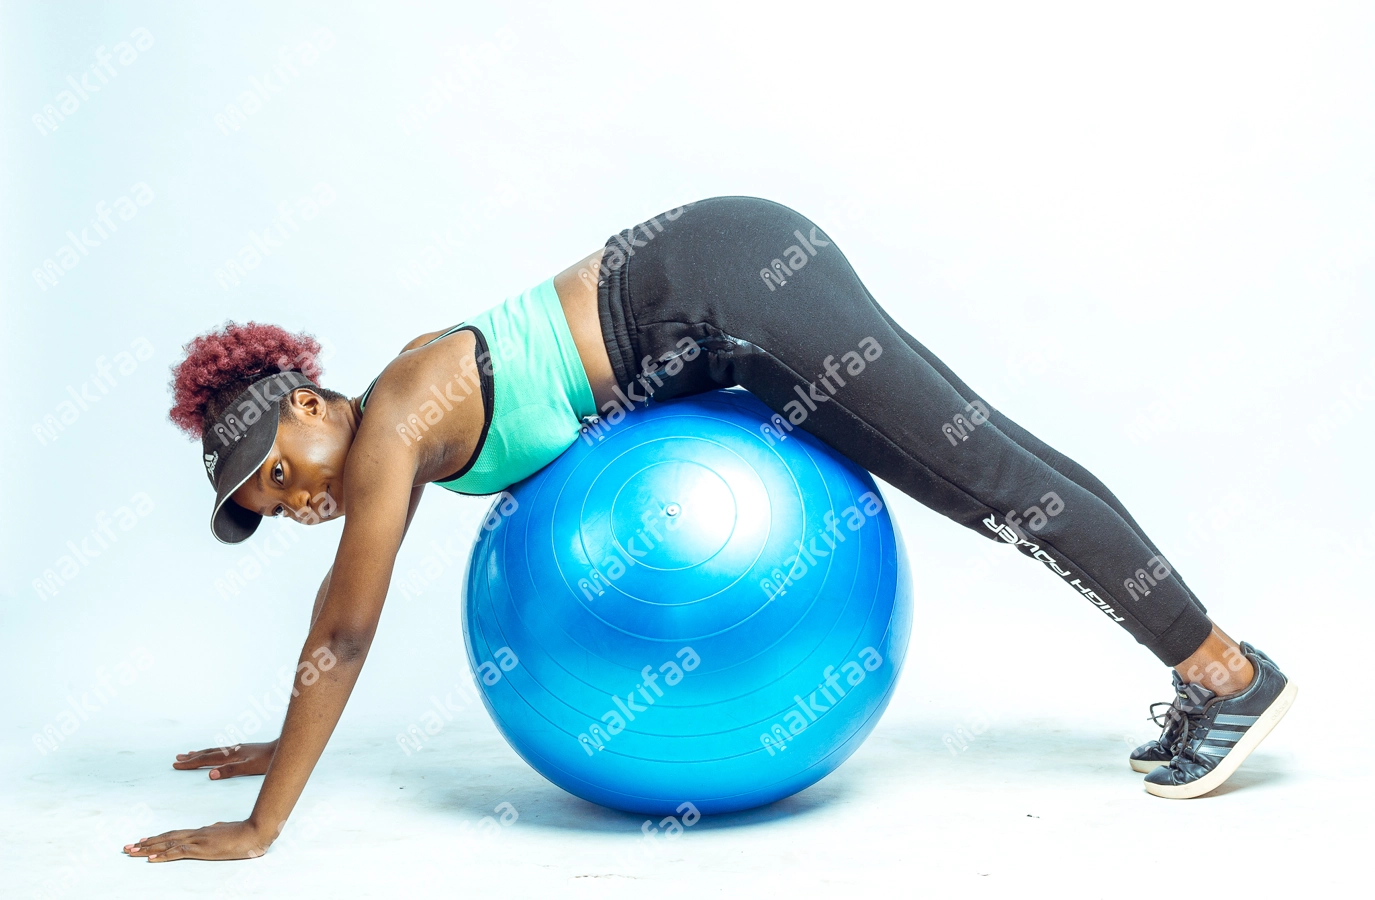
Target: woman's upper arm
pixel 380 493
pixel 416 493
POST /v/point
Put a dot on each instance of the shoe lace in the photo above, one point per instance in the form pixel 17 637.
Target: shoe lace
pixel 1181 742
pixel 1189 719
pixel 1170 720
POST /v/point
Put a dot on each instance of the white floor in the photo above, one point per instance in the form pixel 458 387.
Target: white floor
pixel 1041 803
pixel 1040 806
pixel 1146 238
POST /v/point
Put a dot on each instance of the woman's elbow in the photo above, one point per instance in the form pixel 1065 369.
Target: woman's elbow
pixel 348 645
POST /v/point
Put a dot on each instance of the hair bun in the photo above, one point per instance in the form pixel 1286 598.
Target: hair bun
pixel 231 357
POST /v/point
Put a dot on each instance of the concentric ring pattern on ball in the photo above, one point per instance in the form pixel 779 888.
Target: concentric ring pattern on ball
pixel 702 604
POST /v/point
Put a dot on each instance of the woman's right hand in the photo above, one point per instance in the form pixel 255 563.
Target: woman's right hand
pixel 227 762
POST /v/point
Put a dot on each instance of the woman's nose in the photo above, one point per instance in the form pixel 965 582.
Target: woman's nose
pixel 301 508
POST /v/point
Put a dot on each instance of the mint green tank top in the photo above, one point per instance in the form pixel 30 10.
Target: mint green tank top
pixel 535 401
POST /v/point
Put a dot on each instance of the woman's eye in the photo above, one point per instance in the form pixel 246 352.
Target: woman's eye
pixel 278 511
pixel 277 473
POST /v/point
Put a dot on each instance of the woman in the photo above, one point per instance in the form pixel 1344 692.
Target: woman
pixel 726 291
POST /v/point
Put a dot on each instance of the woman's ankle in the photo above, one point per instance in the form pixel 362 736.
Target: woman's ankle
pixel 1218 665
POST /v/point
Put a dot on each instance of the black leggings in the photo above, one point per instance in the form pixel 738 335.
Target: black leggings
pixel 773 306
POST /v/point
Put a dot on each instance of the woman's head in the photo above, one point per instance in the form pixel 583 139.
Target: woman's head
pixel 274 442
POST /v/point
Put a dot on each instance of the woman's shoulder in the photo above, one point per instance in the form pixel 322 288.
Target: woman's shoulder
pixel 421 341
pixel 406 378
pixel 414 344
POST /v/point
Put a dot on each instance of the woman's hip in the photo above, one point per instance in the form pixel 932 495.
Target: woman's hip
pixel 718 269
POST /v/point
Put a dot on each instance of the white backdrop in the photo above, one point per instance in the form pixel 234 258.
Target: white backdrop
pixel 1146 235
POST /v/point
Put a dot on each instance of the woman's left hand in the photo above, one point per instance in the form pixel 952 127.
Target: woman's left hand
pixel 223 840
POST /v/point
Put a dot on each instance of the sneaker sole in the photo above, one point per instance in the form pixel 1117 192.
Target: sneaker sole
pixel 1146 766
pixel 1233 760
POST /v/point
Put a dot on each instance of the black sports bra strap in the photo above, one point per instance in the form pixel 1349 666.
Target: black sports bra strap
pixel 453 330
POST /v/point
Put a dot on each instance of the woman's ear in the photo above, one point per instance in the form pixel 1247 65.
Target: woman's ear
pixel 307 404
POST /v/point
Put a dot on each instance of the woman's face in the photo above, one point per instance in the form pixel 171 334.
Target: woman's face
pixel 303 475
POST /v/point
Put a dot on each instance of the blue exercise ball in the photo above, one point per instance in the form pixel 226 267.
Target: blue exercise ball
pixel 698 604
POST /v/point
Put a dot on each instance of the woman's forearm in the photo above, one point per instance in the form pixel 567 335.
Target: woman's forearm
pixel 326 674
pixel 333 656
pixel 320 597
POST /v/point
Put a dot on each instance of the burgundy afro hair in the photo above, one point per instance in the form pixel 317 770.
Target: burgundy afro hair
pixel 219 364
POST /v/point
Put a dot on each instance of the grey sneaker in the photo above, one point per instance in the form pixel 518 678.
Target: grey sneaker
pixel 1158 752
pixel 1153 754
pixel 1218 733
